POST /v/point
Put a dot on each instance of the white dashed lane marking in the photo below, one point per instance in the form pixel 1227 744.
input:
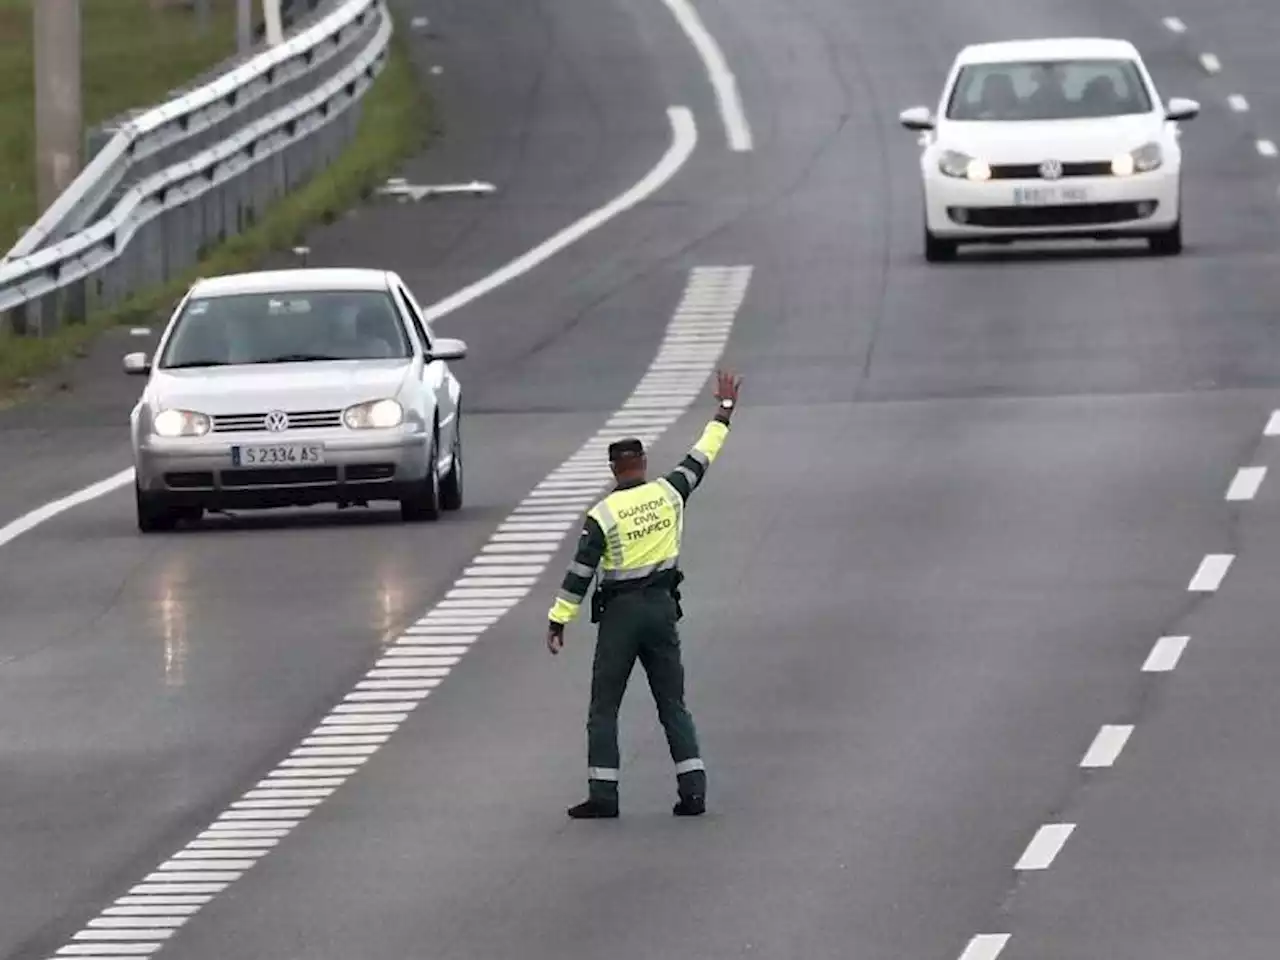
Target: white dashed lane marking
pixel 1267 148
pixel 1175 24
pixel 1107 745
pixel 985 946
pixel 1165 654
pixel 1210 62
pixel 1044 846
pixel 1245 484
pixel 1273 425
pixel 1238 103
pixel 500 576
pixel 1212 569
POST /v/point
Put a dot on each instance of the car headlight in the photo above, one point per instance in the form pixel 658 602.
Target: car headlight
pixel 180 423
pixel 1142 160
pixel 956 164
pixel 374 415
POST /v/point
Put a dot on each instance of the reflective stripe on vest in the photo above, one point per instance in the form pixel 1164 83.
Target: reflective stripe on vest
pixel 643 527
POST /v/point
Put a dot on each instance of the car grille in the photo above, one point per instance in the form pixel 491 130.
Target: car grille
pixel 1073 214
pixel 257 422
pixel 278 476
pixel 1031 171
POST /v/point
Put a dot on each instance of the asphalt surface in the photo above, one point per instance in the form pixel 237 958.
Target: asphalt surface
pixel 959 506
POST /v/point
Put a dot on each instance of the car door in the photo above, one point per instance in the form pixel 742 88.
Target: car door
pixel 437 379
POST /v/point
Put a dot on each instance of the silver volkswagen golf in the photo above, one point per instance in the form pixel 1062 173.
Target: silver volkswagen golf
pixel 297 387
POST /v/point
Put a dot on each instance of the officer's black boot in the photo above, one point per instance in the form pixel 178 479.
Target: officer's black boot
pixel 693 806
pixel 601 802
pixel 594 808
pixel 692 787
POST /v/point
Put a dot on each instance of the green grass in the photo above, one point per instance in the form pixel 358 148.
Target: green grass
pixel 133 55
pixel 396 122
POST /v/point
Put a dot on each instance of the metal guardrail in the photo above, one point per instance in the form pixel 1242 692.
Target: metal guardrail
pixel 179 178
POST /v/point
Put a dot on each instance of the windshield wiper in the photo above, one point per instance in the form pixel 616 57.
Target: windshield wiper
pixel 297 358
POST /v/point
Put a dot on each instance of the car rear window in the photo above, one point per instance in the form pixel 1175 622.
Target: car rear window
pixel 1048 90
pixel 258 328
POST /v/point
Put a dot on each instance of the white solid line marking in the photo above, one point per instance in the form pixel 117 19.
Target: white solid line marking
pixel 1265 147
pixel 507 571
pixel 1212 569
pixel 1165 654
pixel 1044 846
pixel 28 521
pixel 722 79
pixel 1246 483
pixel 1210 62
pixel 1107 745
pixel 985 946
pixel 1175 24
pixel 372 718
pixel 684 137
pixel 155 909
pixel 1237 103
pixel 1273 424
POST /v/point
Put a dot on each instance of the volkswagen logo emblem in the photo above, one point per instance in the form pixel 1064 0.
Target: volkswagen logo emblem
pixel 277 420
pixel 1051 169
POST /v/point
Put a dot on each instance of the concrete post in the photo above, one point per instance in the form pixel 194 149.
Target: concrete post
pixel 274 24
pixel 244 25
pixel 59 108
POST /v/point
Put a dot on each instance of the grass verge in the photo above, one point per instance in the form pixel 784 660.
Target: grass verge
pixel 397 121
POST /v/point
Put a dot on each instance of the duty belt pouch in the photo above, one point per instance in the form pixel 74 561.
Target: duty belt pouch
pixel 597 606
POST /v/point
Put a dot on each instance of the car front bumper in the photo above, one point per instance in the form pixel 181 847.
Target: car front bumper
pixel 1101 207
pixel 203 472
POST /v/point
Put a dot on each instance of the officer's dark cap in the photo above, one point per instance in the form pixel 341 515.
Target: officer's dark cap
pixel 625 449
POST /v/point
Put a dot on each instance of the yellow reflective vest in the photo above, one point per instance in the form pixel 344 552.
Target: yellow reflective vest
pixel 635 532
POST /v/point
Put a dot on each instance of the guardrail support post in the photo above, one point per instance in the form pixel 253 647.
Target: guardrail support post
pixel 272 20
pixel 59 120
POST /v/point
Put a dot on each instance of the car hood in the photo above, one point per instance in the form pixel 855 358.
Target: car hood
pixel 1033 141
pixel 278 386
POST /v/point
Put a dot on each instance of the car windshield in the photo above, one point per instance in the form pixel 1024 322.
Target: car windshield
pixel 1052 90
pixel 294 327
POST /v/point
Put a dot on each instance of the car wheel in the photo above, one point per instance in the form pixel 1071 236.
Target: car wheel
pixel 1168 242
pixel 153 515
pixel 423 503
pixel 451 487
pixel 936 250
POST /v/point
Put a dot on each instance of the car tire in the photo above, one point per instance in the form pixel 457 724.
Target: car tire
pixel 423 502
pixel 937 250
pixel 153 515
pixel 451 487
pixel 1167 242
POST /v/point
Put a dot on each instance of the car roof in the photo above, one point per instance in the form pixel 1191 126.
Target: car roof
pixel 1049 48
pixel 299 280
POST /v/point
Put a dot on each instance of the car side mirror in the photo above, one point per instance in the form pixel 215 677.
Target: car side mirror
pixel 1180 108
pixel 137 364
pixel 445 348
pixel 916 118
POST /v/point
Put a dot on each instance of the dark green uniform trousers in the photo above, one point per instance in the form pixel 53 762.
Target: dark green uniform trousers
pixel 641 624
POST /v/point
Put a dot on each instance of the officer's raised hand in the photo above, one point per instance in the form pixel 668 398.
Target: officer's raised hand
pixel 727 392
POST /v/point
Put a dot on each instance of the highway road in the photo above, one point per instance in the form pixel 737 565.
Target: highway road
pixel 979 614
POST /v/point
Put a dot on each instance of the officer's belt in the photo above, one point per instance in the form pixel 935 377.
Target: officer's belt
pixel 668 581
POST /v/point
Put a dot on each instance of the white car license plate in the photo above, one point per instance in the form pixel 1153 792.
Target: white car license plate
pixel 1045 196
pixel 277 455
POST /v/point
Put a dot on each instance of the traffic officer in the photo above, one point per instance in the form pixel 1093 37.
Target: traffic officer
pixel 634 535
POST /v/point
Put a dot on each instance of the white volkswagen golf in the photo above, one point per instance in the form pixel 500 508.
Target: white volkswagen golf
pixel 1050 139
